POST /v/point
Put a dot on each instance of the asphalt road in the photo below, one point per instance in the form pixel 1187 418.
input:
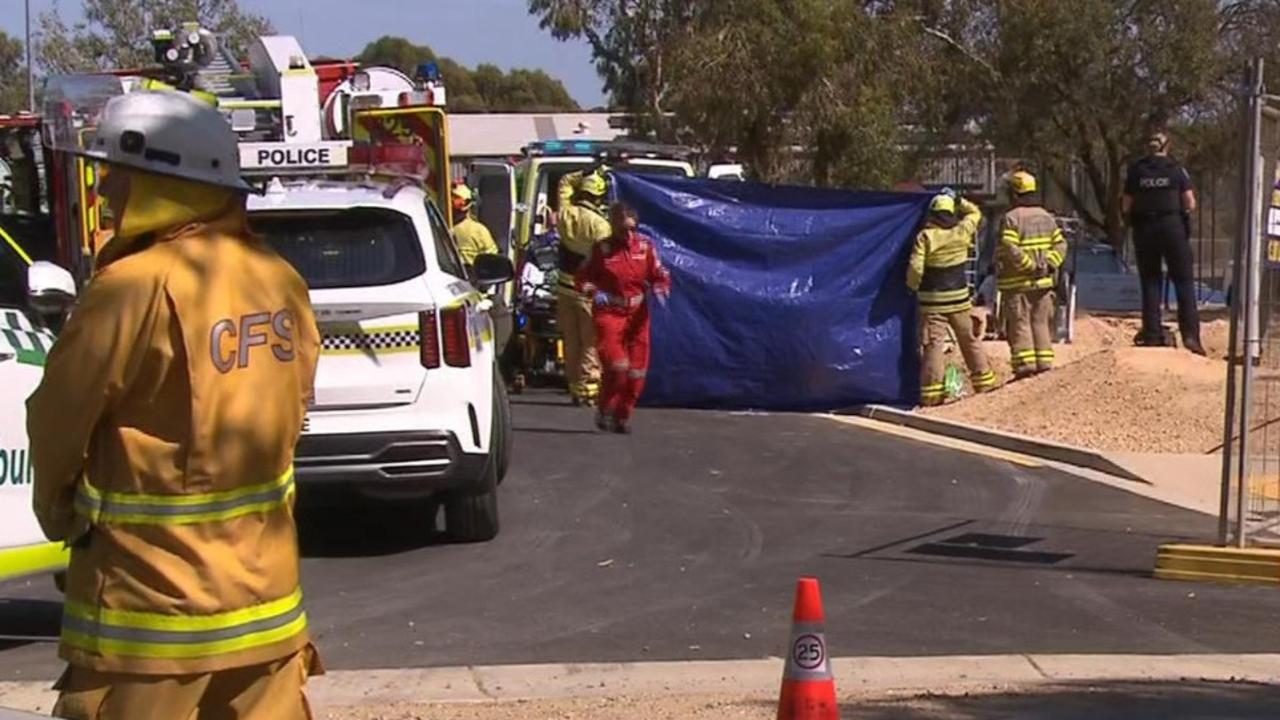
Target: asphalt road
pixel 684 540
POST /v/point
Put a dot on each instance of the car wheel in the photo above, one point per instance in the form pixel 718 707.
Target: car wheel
pixel 503 434
pixel 472 515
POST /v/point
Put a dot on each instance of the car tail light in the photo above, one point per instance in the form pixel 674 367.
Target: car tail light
pixel 457 346
pixel 429 339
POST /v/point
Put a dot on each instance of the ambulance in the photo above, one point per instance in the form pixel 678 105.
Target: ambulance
pixel 518 203
pixel 528 188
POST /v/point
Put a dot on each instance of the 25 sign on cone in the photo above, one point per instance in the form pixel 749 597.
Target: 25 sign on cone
pixel 808 688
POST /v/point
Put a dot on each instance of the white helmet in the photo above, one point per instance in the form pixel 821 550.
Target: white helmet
pixel 168 133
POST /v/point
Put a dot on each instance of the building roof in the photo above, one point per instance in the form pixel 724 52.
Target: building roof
pixel 498 135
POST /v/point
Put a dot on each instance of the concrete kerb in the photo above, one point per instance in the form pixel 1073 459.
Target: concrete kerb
pixel 856 677
pixel 1035 447
pixel 760 678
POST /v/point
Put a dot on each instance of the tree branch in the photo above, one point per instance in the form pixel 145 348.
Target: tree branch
pixel 958 46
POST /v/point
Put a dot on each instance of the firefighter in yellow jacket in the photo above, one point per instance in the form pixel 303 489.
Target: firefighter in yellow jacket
pixel 1031 251
pixel 162 438
pixel 474 239
pixel 582 222
pixel 936 272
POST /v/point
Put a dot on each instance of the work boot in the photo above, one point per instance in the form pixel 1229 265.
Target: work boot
pixel 1161 339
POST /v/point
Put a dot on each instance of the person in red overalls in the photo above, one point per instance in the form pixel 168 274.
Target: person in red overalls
pixel 618 277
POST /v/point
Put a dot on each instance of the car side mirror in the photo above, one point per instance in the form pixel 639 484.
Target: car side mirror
pixel 493 270
pixel 51 291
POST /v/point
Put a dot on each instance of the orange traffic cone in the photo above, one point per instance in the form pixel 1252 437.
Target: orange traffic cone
pixel 808 688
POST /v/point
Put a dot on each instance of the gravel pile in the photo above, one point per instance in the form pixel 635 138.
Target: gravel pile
pixel 1108 395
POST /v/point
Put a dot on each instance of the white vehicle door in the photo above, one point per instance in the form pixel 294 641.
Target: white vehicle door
pixel 23 348
pixel 20 371
pixel 495 184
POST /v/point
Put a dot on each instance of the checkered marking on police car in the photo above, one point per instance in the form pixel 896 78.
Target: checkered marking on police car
pixel 350 340
pixel 29 343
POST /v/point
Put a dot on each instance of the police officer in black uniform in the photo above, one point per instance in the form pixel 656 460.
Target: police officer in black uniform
pixel 1158 200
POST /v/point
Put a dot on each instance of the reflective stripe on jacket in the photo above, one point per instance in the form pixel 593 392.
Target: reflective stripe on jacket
pixel 162 437
pixel 936 270
pixel 141 509
pixel 1028 236
pixel 99 631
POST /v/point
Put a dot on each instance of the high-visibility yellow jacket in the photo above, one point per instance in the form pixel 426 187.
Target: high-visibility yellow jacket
pixel 162 437
pixel 581 225
pixel 474 240
pixel 936 270
pixel 1029 240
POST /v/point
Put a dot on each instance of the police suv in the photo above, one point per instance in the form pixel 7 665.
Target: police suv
pixel 407 401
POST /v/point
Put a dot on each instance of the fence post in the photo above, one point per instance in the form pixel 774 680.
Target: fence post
pixel 1248 297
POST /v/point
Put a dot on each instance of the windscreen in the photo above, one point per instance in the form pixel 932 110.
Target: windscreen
pixel 647 169
pixel 358 247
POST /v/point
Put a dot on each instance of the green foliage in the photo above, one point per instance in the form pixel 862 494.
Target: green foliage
pixel 13 75
pixel 486 89
pixel 632 42
pixel 1075 87
pixel 805 90
pixel 117 33
pixel 855 92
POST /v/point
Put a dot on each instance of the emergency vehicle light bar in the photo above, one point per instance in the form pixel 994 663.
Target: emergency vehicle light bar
pixel 394 160
pixel 562 147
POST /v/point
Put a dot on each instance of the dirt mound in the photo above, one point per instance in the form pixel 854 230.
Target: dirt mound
pixel 1108 395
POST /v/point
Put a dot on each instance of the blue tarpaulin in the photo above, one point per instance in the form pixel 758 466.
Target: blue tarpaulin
pixel 784 298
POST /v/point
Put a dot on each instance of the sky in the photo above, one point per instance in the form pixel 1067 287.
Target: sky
pixel 500 32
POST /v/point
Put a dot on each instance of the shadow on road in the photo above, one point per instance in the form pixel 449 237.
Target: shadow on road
pixel 1024 567
pixel 24 621
pixel 1090 701
pixel 555 431
pixel 366 528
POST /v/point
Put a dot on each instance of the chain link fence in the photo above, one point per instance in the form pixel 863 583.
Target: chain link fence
pixel 1250 502
pixel 1214 230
